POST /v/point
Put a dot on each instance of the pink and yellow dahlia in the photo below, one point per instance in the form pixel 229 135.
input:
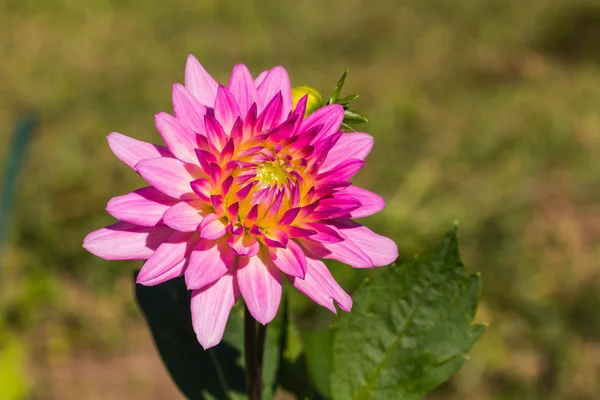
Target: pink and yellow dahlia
pixel 248 188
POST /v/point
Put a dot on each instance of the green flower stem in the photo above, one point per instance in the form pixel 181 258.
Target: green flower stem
pixel 254 343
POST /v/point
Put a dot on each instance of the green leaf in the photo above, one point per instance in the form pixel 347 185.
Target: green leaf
pixel 317 346
pixel 352 116
pixel 347 128
pixel 347 99
pixel 217 373
pixel 409 330
pixel 338 88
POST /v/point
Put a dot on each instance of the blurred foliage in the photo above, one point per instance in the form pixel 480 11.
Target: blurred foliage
pixel 483 111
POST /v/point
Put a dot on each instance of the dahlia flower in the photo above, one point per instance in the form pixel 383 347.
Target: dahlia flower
pixel 248 189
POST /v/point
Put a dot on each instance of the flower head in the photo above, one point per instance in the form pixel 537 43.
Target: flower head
pixel 246 191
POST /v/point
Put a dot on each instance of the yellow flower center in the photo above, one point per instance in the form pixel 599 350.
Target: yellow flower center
pixel 271 173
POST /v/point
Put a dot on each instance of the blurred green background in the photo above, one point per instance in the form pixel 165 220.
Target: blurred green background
pixel 483 111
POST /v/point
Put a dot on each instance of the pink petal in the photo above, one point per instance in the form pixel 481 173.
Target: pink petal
pixel 342 172
pixel 170 176
pixel 330 117
pixel 350 145
pixel 276 80
pixel 211 307
pixel 346 252
pixel 180 139
pixel 199 82
pixel 260 78
pixel 167 260
pixel 382 250
pixel 185 216
pixel 290 260
pixel 212 227
pixel 188 109
pixel 132 151
pixel 272 113
pixel 210 260
pixel 260 284
pixel 144 206
pixel 226 109
pixel 175 271
pixel 371 203
pixel 244 245
pixel 321 287
pixel 243 89
pixel 125 241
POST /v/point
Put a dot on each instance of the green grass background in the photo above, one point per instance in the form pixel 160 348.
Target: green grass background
pixel 483 111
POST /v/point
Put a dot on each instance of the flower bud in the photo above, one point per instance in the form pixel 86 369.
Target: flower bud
pixel 314 102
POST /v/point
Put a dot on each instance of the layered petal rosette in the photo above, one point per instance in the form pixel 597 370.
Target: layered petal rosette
pixel 247 190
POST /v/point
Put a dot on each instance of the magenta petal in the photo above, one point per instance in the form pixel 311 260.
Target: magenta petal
pixel 350 145
pixel 144 206
pixel 212 227
pixel 276 80
pixel 330 117
pixel 226 109
pixel 382 250
pixel 290 260
pixel 188 109
pixel 166 260
pixel 321 287
pixel 170 176
pixel 132 151
pixel 125 241
pixel 180 139
pixel 371 203
pixel 243 89
pixel 209 261
pixel 211 307
pixel 184 216
pixel 199 82
pixel 260 284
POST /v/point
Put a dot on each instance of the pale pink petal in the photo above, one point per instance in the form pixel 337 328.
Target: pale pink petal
pixel 184 216
pixel 329 117
pixel 243 89
pixel 260 284
pixel 226 109
pixel 200 83
pixel 132 151
pixel 382 250
pixel 125 241
pixel 166 259
pixel 211 307
pixel 170 176
pixel 180 139
pixel 209 261
pixel 321 287
pixel 290 260
pixel 371 203
pixel 144 206
pixel 212 227
pixel 350 145
pixel 188 109
pixel 276 80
